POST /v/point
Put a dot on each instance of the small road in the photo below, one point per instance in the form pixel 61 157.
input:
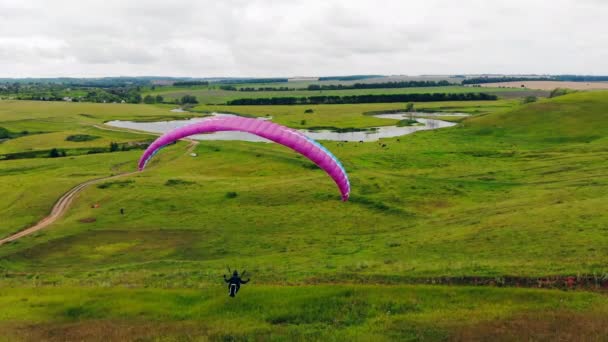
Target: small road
pixel 63 203
pixel 60 207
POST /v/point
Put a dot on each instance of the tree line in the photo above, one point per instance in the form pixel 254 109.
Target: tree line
pixel 482 80
pixel 582 78
pixel 190 83
pixel 389 98
pixel 318 87
pixel 347 78
pixel 400 84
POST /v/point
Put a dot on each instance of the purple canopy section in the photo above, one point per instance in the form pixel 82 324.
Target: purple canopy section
pixel 265 129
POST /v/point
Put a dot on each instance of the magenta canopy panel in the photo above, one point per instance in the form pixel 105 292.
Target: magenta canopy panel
pixel 286 136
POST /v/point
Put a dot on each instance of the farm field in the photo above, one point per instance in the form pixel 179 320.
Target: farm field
pixel 512 191
pixel 549 85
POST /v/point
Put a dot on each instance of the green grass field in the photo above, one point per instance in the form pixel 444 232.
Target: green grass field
pixel 516 190
pixel 353 115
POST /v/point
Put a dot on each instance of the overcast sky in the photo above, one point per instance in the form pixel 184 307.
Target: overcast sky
pixel 40 38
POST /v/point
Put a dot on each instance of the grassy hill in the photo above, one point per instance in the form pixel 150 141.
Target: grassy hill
pixel 516 192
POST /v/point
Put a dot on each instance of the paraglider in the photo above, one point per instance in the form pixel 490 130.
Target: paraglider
pixel 234 282
pixel 291 138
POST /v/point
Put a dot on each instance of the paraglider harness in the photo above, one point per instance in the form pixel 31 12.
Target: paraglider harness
pixel 234 282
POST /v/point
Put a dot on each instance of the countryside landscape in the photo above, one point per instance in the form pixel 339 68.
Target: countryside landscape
pixel 476 208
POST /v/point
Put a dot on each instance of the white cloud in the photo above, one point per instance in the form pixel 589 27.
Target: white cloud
pixel 313 37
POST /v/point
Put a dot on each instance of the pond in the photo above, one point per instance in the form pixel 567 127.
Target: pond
pixel 373 134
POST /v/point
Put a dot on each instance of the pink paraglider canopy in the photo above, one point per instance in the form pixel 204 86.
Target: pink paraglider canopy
pixel 265 129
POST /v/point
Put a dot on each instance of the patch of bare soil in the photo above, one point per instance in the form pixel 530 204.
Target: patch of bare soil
pixel 553 326
pixel 105 331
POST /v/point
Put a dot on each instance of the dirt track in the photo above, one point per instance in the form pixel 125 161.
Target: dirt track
pixel 63 203
pixel 59 208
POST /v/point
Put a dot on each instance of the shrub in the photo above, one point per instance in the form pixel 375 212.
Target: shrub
pixel 176 182
pixel 54 153
pixel 407 122
pixel 558 92
pixel 231 194
pixel 81 137
pixel 120 184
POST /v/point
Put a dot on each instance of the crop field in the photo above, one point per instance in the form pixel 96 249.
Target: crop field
pixel 512 191
pixel 212 95
pixel 549 85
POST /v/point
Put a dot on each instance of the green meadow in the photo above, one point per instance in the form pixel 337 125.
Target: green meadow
pixel 513 190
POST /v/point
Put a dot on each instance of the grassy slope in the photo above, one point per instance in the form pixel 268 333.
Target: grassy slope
pixel 486 198
pixel 360 313
pixel 507 193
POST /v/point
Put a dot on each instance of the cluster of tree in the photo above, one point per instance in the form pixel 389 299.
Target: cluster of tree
pixel 6 134
pixel 114 147
pixel 481 80
pixel 60 92
pixel 190 83
pixel 403 84
pixel 33 91
pixel 149 99
pixel 364 99
pixel 559 92
pixel 228 87
pixel 56 153
pixel 121 94
pixel 188 99
pixel 348 78
pixel 81 137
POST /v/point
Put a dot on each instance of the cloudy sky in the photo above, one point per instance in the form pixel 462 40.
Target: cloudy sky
pixel 40 38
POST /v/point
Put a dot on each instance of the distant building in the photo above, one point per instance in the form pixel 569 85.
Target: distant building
pixel 67 99
pixel 163 82
pixel 302 78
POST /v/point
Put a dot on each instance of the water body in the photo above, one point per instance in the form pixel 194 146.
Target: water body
pixel 372 135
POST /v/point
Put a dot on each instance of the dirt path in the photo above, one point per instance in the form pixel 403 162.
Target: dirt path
pixel 60 207
pixel 63 203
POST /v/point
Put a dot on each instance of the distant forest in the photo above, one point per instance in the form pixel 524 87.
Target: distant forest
pixel 482 80
pixel 403 84
pixel 319 87
pixel 562 78
pixel 312 100
pixel 348 78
